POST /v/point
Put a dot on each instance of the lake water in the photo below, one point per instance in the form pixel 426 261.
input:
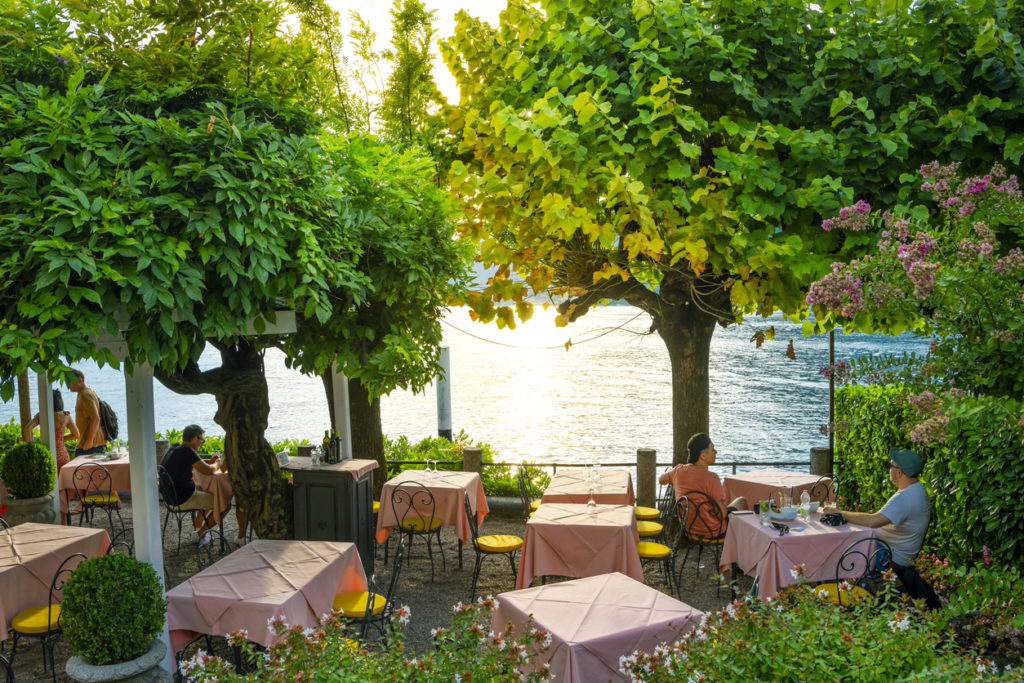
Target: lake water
pixel 608 395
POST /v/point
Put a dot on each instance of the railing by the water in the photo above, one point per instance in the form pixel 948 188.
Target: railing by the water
pixel 553 466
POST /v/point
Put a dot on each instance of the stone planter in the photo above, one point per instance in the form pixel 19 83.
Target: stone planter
pixel 143 669
pixel 40 510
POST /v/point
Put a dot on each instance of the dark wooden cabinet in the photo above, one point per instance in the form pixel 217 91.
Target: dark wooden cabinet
pixel 335 503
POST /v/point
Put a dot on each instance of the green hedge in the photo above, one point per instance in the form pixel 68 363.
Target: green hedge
pixel 871 419
pixel 975 477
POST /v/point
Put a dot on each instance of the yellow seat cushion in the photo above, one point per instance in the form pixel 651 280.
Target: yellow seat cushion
pixel 832 592
pixel 34 619
pixel 101 499
pixel 534 504
pixel 643 512
pixel 420 523
pixel 354 604
pixel 376 506
pixel 646 528
pixel 705 539
pixel 499 543
pixel 653 551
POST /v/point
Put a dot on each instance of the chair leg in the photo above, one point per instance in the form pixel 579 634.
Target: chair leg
pixel 476 575
pixel 512 562
pixel 430 552
pixel 14 648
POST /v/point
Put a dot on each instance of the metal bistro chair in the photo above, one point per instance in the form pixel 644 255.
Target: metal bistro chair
pixel 3 524
pixel 5 666
pixel 44 622
pixel 494 544
pixel 823 490
pixel 123 543
pixel 867 558
pixel 95 490
pixel 651 551
pixel 368 607
pixel 185 509
pixel 700 517
pixel 529 504
pixel 413 506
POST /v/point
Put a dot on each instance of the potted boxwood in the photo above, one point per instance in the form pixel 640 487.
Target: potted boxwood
pixel 29 472
pixel 113 612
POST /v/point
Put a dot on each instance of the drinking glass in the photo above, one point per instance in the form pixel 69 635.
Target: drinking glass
pixel 591 503
pixel 762 512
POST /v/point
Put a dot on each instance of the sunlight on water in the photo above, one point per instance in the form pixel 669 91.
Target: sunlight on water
pixel 601 400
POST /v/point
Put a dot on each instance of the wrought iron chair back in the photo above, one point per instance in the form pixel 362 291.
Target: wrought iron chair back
pixel 3 524
pixel 524 491
pixel 702 524
pixel 381 620
pixel 866 559
pixel 5 666
pixel 823 490
pixel 165 484
pixel 123 542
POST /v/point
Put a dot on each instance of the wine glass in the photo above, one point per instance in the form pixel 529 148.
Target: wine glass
pixel 591 503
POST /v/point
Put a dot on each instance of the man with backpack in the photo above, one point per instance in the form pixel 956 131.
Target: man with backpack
pixel 92 439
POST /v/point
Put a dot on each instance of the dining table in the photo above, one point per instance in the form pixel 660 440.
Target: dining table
pixel 449 490
pixel 575 485
pixel 116 465
pixel 264 580
pixel 592 622
pixel 567 539
pixel 217 484
pixel 30 555
pixel 766 483
pixel 759 550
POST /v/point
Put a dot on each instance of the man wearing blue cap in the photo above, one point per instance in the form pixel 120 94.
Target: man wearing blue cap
pixel 903 519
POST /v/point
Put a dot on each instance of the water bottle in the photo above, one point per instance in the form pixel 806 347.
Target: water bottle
pixel 805 504
pixel 762 513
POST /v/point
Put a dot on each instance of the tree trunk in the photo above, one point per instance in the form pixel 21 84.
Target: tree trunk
pixel 689 350
pixel 243 408
pixel 24 399
pixel 367 433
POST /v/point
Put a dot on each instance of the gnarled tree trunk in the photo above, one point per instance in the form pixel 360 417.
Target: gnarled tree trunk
pixel 367 433
pixel 689 351
pixel 24 401
pixel 243 408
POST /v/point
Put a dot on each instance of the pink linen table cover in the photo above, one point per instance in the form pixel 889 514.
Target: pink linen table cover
pixel 614 487
pixel 594 621
pixel 292 580
pixel 766 483
pixel 120 476
pixel 357 468
pixel 218 484
pixel 448 489
pixel 30 554
pixel 759 550
pixel 564 539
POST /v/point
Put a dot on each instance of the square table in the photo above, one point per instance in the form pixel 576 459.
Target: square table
pixel 766 483
pixel 448 489
pixel 219 485
pixel 265 579
pixel 593 622
pixel 29 556
pixel 759 550
pixel 118 468
pixel 564 539
pixel 614 487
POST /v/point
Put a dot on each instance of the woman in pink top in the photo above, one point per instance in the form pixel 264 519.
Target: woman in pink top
pixel 63 427
pixel 695 476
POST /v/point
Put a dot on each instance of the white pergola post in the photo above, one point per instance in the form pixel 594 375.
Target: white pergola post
pixel 138 387
pixel 342 416
pixel 46 431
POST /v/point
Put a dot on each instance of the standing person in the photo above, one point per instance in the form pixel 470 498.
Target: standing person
pixel 87 416
pixel 903 520
pixel 64 429
pixel 694 475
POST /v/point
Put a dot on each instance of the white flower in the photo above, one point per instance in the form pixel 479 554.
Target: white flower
pixel 458 607
pixel 845 585
pixel 900 625
pixel 794 574
pixel 434 632
pixel 547 640
pixel 458 678
pixel 307 632
pixel 414 661
pixel 730 609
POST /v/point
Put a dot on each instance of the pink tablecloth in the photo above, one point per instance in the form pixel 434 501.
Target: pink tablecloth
pixel 766 483
pixel 29 557
pixel 448 489
pixel 760 550
pixel 564 539
pixel 613 487
pixel 293 580
pixel 120 476
pixel 593 622
pixel 220 486
pixel 357 468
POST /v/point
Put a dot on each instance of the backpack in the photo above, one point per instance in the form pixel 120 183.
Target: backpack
pixel 108 419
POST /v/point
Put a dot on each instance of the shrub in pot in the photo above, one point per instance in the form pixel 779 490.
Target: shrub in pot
pixel 113 609
pixel 28 470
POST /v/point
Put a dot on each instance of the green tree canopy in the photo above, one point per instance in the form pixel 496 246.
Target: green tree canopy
pixel 680 155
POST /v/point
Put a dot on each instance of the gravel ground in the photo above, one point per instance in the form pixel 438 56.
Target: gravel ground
pixel 430 602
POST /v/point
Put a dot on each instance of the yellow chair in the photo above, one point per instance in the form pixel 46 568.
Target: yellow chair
pixel 645 513
pixel 703 525
pixel 44 622
pixel 529 505
pixel 864 560
pixel 647 529
pixel 95 490
pixel 376 507
pixel 413 506
pixel 651 551
pixel 370 607
pixel 495 544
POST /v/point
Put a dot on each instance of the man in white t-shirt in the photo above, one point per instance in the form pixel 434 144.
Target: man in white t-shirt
pixel 903 520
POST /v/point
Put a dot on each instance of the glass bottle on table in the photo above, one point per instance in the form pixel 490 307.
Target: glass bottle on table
pixel 805 504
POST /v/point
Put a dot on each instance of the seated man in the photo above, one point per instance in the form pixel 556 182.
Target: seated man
pixel 903 519
pixel 179 461
pixel 695 476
